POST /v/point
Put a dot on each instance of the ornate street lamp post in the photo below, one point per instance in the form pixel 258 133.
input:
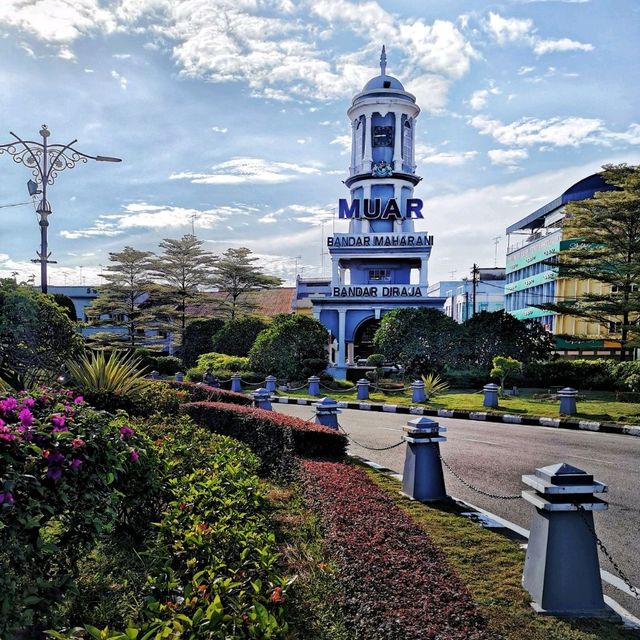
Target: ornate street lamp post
pixel 46 161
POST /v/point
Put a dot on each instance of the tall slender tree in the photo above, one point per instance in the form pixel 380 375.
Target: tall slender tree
pixel 606 248
pixel 237 275
pixel 183 271
pixel 121 304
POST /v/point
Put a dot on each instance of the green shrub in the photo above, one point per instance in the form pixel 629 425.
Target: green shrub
pixel 197 339
pixel 273 437
pixel 580 374
pixel 219 361
pixel 623 373
pixel 472 378
pixel 204 393
pixel 236 336
pixel 168 365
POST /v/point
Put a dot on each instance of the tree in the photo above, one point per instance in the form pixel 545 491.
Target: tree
pixel 605 231
pixel 121 300
pixel 421 340
pixel 67 304
pixel 183 269
pixel 36 336
pixel 236 336
pixel 283 347
pixel 236 275
pixel 504 367
pixel 197 339
pixel 489 334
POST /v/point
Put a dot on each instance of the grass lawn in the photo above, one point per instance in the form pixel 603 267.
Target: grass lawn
pixel 491 565
pixel 600 406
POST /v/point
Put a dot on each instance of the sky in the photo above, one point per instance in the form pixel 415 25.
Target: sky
pixel 230 115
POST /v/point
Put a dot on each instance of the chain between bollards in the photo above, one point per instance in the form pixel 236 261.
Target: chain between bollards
pixel 393 446
pixel 621 574
pixel 495 496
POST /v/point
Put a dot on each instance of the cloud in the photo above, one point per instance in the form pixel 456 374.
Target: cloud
pixel 451 159
pixel 142 215
pixel 121 80
pixel 241 170
pixel 431 92
pixel 564 44
pixel 219 129
pixel 556 132
pixel 343 141
pixel 507 157
pixel 506 30
pixel 479 98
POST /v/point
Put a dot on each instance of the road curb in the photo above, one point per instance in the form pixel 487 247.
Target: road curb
pixel 488 416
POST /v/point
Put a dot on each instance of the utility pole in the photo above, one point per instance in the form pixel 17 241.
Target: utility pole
pixel 496 241
pixel 474 274
pixel 193 224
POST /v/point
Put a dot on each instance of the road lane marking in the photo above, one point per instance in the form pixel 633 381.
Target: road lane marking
pixel 568 455
pixel 389 429
pixel 500 444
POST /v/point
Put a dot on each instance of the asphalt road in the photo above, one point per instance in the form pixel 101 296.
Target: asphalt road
pixel 494 456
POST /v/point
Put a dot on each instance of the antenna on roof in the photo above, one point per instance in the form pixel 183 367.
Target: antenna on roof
pixel 383 62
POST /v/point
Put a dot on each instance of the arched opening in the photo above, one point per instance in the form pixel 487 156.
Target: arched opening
pixel 363 338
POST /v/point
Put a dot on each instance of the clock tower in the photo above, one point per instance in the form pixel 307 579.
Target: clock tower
pixel 381 264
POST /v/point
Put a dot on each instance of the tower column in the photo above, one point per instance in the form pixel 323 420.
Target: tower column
pixel 335 271
pixel 397 145
pixel 423 272
pixel 367 158
pixel 354 160
pixel 342 327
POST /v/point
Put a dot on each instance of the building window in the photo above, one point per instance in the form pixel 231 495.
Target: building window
pixel 407 151
pixel 379 275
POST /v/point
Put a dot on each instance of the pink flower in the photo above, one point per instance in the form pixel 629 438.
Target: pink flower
pixel 126 432
pixel 78 400
pixel 58 422
pixel 134 455
pixel 26 418
pixel 8 405
pixel 77 442
pixel 29 403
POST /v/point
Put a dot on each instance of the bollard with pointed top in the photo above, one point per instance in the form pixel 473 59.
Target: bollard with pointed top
pixel 327 412
pixel 417 391
pixel 155 375
pixel 490 395
pixel 261 399
pixel 423 478
pixel 179 376
pixel 561 569
pixel 314 386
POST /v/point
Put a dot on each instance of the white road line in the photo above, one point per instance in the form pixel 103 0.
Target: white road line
pixel 389 429
pixel 500 444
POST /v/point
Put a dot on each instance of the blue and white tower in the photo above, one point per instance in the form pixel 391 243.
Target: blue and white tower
pixel 382 262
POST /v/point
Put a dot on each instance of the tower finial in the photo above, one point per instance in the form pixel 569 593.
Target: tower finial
pixel 383 62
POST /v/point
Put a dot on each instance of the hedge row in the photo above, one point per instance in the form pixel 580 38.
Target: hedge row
pixel 397 584
pixel 204 393
pixel 275 438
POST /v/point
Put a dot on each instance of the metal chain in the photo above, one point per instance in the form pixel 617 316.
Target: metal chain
pixel 296 388
pixel 387 390
pixel 393 446
pixel 252 384
pixel 349 390
pixel 621 574
pixel 470 486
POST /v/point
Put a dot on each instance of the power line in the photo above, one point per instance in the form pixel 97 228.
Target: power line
pixel 17 204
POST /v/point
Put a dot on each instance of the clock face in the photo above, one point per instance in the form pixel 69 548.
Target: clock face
pixel 382 136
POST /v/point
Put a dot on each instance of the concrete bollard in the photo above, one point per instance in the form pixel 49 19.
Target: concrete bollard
pixel 422 478
pixel 561 570
pixel 327 412
pixel 179 376
pixel 270 383
pixel 490 395
pixel 261 399
pixel 568 401
pixel 314 386
pixel 155 375
pixel 363 389
pixel 236 385
pixel 417 391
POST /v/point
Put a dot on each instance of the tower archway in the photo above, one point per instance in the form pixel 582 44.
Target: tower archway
pixel 363 338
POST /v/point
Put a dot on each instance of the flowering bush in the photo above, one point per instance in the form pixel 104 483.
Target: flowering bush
pixel 204 393
pixel 64 472
pixel 398 585
pixel 274 437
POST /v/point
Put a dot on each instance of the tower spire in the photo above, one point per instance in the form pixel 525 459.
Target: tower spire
pixel 383 62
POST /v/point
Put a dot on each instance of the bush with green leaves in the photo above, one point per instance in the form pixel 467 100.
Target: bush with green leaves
pixel 197 339
pixel 505 367
pixel 67 475
pixel 434 385
pixel 219 361
pixel 282 348
pixel 236 336
pixel 168 365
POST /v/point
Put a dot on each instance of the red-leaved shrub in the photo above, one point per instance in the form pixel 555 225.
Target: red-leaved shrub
pixel 396 583
pixel 204 393
pixel 275 438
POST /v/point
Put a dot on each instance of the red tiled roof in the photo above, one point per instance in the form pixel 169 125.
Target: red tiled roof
pixel 268 302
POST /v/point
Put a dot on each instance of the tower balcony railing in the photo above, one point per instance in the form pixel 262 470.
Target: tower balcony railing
pixel 368 168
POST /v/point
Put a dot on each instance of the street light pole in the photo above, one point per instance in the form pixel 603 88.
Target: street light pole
pixel 46 161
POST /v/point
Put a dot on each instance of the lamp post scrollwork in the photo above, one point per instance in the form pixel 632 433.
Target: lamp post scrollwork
pixel 46 161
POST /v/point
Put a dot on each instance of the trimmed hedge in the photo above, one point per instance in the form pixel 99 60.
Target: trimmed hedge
pixel 204 393
pixel 397 583
pixel 275 438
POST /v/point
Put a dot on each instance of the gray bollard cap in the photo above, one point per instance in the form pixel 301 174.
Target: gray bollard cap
pixel 326 405
pixel 261 393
